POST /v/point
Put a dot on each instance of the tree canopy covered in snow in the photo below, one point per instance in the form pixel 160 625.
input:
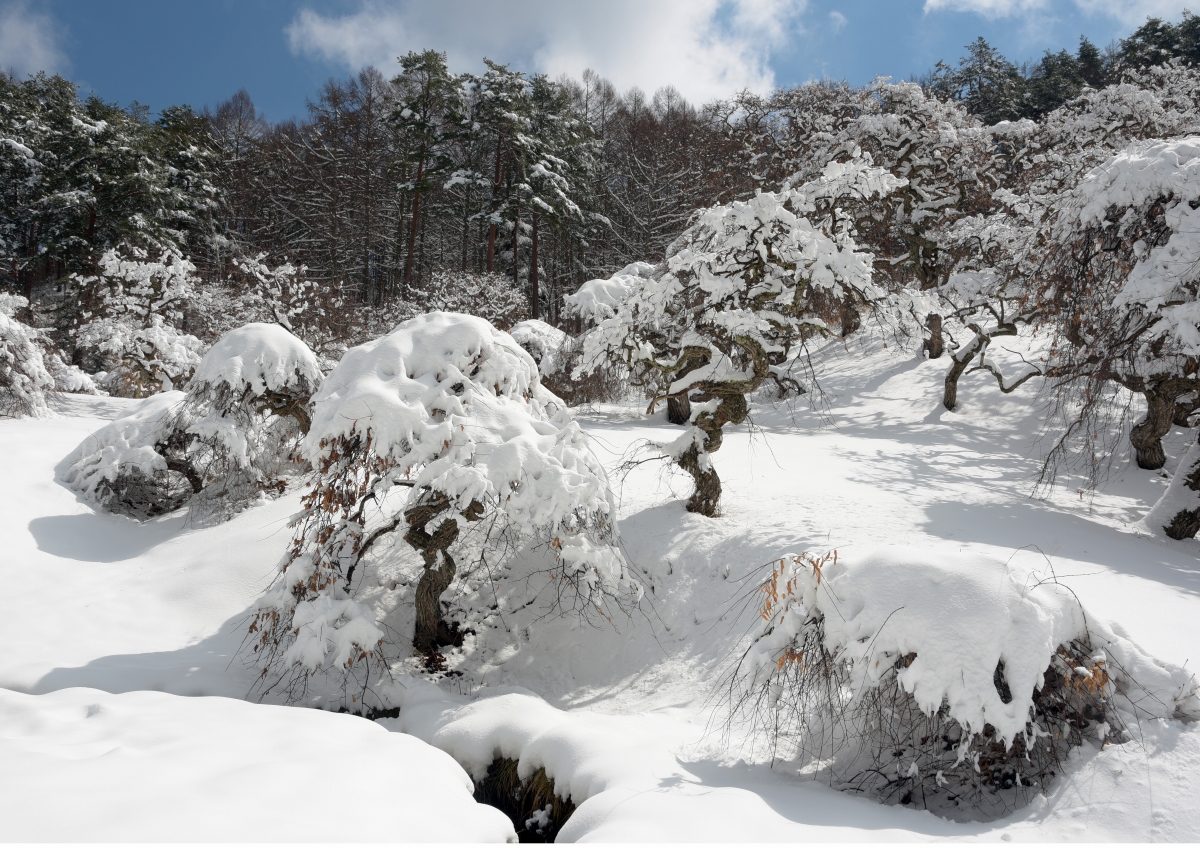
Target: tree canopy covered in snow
pixel 438 426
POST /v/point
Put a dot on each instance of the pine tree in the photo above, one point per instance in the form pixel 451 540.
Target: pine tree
pixel 427 115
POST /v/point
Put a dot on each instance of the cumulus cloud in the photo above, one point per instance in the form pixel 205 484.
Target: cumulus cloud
pixel 705 48
pixel 29 40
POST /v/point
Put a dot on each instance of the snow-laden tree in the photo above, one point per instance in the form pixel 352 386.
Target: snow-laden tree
pixel 130 325
pixel 993 259
pixel 743 291
pixel 990 295
pixel 598 299
pixel 31 366
pixel 231 437
pixel 489 296
pixel 25 381
pixel 436 428
pixel 1121 276
pixel 282 292
pixel 428 114
pixel 952 682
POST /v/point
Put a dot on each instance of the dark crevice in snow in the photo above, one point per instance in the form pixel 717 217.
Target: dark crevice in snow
pixel 536 811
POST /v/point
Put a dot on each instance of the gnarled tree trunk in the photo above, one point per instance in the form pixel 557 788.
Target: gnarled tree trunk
pixel 935 345
pixel 679 409
pixel 706 499
pixel 431 631
pixel 1146 436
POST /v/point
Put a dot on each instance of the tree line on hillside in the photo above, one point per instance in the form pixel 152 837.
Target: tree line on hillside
pixel 387 182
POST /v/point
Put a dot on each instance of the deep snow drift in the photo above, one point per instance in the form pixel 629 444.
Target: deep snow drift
pixel 624 717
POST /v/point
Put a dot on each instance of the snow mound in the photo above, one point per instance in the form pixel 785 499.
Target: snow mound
pixel 141 765
pixel 961 615
pixel 262 358
pixel 124 446
pixel 599 299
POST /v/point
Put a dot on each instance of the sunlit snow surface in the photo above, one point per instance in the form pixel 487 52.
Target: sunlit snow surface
pixel 625 717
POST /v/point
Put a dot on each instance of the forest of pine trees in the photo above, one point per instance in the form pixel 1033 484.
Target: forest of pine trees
pixel 427 189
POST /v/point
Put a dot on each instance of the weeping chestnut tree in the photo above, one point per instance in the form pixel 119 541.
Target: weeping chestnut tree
pixel 740 296
pixel 437 429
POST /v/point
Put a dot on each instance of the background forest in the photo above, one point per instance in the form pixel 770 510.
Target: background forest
pixel 396 196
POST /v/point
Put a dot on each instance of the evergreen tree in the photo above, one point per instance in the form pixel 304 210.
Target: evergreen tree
pixel 427 114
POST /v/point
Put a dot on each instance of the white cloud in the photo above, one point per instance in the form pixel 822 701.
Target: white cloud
pixel 1133 13
pixel 705 48
pixel 991 9
pixel 29 40
pixel 837 20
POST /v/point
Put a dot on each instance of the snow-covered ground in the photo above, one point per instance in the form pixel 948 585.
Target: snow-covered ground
pixel 111 628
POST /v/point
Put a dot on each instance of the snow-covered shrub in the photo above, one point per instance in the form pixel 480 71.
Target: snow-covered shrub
pixel 120 468
pixel 541 341
pixel 492 297
pixel 68 379
pixel 230 437
pixel 24 379
pixel 556 355
pixel 436 426
pixel 950 682
pixel 131 329
pixel 744 289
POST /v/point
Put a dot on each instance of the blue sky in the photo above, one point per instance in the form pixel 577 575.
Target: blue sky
pixel 201 51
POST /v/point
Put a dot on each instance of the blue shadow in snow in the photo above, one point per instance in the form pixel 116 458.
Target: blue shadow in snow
pixel 91 537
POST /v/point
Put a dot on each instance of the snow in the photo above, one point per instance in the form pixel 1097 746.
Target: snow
pixel 150 766
pixel 622 716
pixel 121 446
pixel 262 358
pixel 598 299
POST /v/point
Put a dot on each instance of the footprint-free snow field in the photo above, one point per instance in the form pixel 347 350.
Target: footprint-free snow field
pixel 124 708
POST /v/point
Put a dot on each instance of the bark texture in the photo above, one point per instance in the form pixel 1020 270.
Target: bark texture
pixel 935 345
pixel 1146 436
pixel 431 631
